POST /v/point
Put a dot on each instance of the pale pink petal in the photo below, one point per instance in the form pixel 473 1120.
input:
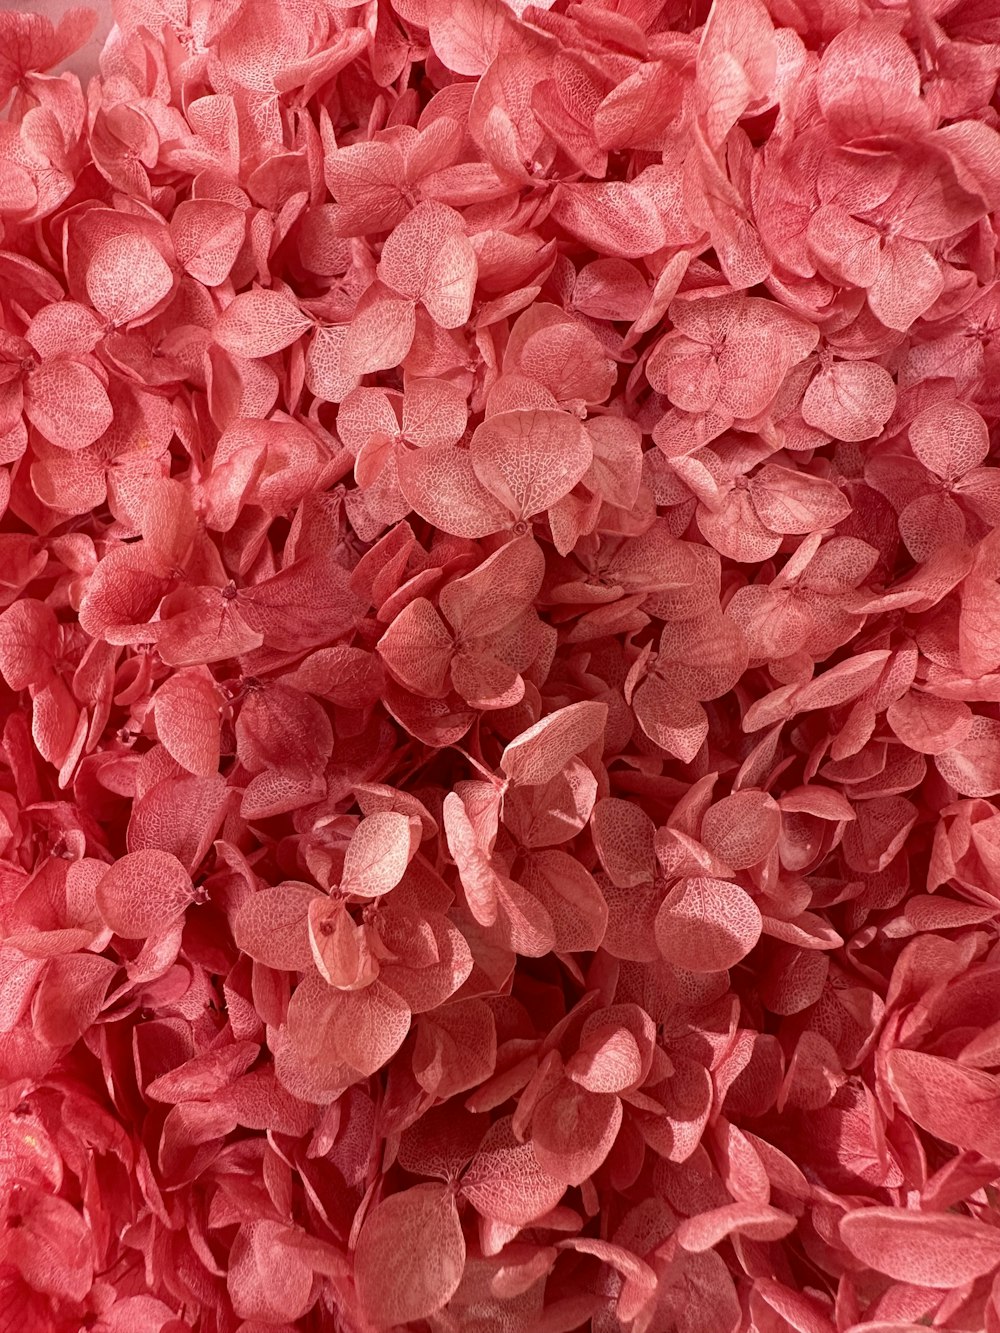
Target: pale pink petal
pixel 378 854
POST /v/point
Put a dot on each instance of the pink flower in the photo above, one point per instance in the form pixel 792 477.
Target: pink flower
pixel 499 670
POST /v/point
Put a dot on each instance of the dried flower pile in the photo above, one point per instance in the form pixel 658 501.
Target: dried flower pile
pixel 501 668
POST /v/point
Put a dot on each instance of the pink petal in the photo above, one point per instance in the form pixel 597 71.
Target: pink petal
pixel 617 217
pixel 950 1101
pixel 846 248
pixel 610 289
pixel 927 724
pixel 842 682
pixel 467 36
pixel 380 335
pixel 623 836
pixel 143 893
pixel 378 854
pixel 418 649
pixel 908 283
pixel 852 400
pixel 949 438
pixel 441 485
pixel 268 1279
pixel 573 1130
pixel 869 82
pixel 326 376
pixel 496 592
pixel 29 640
pixel 674 721
pixel 707 925
pixel 930 522
pixel 259 323
pixel 504 1181
pixel 188 720
pixel 793 502
pixel 428 258
pixel 360 1029
pixel 940 1250
pixel 127 277
pixel 736 64
pixel 434 412
pixel 455 1049
pixel 271 926
pixel 539 753
pixel 706 1230
pixel 181 815
pixel 529 460
pixel 410 1255
pixel 973 766
pixel 742 829
pixel 608 1060
pixel 207 236
pixel 64 329
pixel 571 897
pixel 367 182
pixel 68 403
pixel 70 996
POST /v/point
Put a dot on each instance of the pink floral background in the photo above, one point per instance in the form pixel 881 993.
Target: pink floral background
pixel 499 667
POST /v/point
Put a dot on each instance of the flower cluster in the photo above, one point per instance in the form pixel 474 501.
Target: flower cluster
pixel 500 654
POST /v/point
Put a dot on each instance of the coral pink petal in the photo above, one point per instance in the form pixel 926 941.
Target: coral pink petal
pixel 410 1255
pixel 126 278
pixel 143 893
pixel 707 924
pixel 931 1250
